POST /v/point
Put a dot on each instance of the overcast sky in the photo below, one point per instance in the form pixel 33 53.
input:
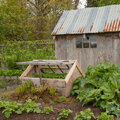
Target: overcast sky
pixel 83 4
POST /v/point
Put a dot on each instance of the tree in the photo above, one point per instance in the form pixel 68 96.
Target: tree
pixel 96 3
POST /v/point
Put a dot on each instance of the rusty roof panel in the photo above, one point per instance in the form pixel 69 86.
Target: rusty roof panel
pixel 89 20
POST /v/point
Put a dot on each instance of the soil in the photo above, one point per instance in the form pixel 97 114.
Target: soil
pixel 70 103
pixel 76 107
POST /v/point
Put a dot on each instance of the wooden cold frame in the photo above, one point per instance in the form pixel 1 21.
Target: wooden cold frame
pixel 64 86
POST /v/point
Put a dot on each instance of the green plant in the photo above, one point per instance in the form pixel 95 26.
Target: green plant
pixel 101 86
pixel 42 89
pixel 52 91
pixel 9 107
pixel 3 83
pixel 84 115
pixel 64 114
pixel 31 106
pixel 10 72
pixel 62 99
pixel 105 116
pixel 48 110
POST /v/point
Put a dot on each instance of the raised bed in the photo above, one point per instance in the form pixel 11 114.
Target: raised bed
pixel 39 67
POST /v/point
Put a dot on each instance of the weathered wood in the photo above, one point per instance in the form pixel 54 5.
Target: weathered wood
pixel 29 68
pixel 107 49
pixel 51 82
pixel 44 63
pixel 73 74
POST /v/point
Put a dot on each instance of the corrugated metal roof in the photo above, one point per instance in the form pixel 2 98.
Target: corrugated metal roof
pixel 89 20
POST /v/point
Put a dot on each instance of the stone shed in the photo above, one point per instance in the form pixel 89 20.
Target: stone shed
pixel 90 35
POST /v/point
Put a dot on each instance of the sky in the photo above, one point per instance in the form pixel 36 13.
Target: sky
pixel 83 4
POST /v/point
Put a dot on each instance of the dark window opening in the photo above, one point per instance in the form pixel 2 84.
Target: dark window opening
pixel 79 42
pixel 93 42
pixel 86 42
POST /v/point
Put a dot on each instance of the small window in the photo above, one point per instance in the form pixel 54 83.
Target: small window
pixel 93 42
pixel 86 42
pixel 79 42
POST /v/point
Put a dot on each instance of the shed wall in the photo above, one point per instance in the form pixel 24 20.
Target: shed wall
pixel 108 48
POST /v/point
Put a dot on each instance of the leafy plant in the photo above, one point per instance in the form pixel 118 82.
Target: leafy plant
pixel 9 107
pixel 52 91
pixel 62 99
pixel 84 115
pixel 64 114
pixel 31 106
pixel 48 110
pixel 105 116
pixel 101 86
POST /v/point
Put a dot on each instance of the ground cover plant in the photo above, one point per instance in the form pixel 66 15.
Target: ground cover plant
pixel 100 87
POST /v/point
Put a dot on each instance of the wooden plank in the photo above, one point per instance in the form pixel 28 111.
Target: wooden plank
pixel 45 63
pixel 73 74
pixel 72 78
pixel 51 82
pixel 64 68
pixel 29 68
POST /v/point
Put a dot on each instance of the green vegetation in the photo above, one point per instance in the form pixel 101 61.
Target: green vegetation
pixel 10 72
pixel 97 3
pixel 64 114
pixel 20 51
pixel 52 75
pixel 101 87
pixel 105 116
pixel 84 115
pixel 48 110
pixel 18 108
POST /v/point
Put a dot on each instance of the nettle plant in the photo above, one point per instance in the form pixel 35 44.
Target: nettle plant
pixel 101 86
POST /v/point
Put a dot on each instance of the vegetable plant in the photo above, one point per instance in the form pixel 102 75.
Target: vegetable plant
pixel 48 110
pixel 84 115
pixel 105 116
pixel 64 114
pixel 101 87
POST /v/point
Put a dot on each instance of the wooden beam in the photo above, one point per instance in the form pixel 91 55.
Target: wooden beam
pixel 51 69
pixel 60 68
pixel 29 68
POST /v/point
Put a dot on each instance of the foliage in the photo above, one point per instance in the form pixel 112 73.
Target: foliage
pixel 64 114
pixel 62 99
pixel 48 110
pixel 105 116
pixel 52 75
pixel 52 91
pixel 84 115
pixel 28 106
pixel 10 72
pixel 25 51
pixel 31 106
pixel 97 3
pixel 100 86
pixel 9 107
pixel 30 19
